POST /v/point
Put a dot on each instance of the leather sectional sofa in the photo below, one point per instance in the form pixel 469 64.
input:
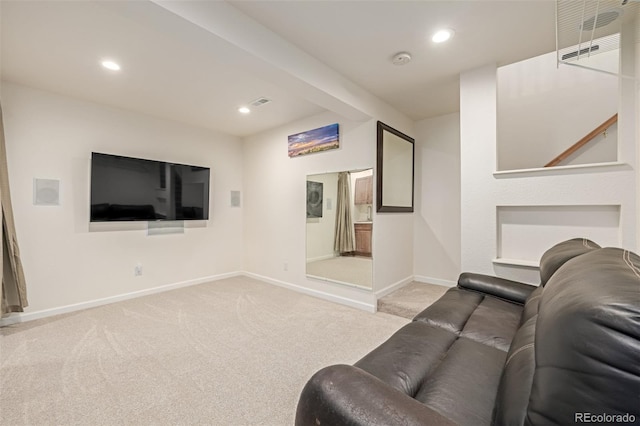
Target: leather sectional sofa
pixel 494 351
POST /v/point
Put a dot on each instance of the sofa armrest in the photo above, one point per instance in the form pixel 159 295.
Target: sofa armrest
pixel 346 395
pixel 512 291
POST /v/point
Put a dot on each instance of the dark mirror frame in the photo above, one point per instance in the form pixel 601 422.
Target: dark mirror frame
pixel 380 207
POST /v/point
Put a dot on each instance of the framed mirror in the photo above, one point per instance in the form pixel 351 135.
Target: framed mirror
pixel 394 189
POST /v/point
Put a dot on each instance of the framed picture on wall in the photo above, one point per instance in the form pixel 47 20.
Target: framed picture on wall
pixel 316 140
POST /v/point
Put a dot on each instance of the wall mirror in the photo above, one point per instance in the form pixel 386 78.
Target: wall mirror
pixel 340 227
pixel 394 185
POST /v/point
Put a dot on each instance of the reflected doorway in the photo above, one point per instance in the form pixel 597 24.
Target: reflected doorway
pixel 339 227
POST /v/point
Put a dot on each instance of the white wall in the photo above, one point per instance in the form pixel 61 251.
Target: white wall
pixel 274 187
pixel 66 262
pixel 543 109
pixel 437 214
pixel 637 107
pixel 483 192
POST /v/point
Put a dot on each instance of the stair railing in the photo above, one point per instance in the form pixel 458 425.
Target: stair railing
pixel 582 142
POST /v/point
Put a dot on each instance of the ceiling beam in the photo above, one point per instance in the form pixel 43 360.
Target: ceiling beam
pixel 277 60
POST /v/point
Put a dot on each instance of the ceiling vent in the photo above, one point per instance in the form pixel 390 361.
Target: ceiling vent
pixel 585 28
pixel 576 53
pixel 260 101
pixel 600 20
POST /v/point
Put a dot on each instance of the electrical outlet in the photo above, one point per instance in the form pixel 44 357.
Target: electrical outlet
pixel 137 270
pixel 285 266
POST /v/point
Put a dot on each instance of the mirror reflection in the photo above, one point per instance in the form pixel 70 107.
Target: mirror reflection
pixel 340 227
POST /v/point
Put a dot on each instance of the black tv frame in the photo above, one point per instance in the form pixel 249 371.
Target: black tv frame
pixel 162 202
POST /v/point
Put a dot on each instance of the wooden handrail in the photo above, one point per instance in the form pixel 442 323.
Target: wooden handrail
pixel 582 142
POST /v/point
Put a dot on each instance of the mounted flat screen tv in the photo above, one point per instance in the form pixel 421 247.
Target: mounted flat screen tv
pixel 134 189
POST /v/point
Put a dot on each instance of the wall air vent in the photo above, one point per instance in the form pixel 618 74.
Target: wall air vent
pixel 584 51
pixel 260 101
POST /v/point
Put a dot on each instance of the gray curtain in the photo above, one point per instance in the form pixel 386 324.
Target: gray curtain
pixel 344 241
pixel 13 291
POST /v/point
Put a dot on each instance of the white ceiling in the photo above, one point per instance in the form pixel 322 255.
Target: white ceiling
pixel 199 67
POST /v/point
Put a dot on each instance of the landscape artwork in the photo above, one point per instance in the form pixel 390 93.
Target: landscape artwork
pixel 315 140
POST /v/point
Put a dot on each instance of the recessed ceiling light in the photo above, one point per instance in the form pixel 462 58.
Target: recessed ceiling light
pixel 442 35
pixel 244 110
pixel 110 65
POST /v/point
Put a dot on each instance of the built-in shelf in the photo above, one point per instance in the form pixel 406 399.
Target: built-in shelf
pixel 525 232
pixel 560 170
pixel 516 262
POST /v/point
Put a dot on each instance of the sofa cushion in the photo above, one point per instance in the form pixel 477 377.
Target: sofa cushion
pixel 587 339
pixel 557 255
pixel 451 349
pixel 476 316
pixel 408 356
pixel 517 376
pixel 463 387
pixel 452 310
pixel 493 323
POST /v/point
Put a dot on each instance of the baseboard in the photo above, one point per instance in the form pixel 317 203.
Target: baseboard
pixel 319 258
pixel 436 281
pixel 316 293
pixel 16 318
pixel 393 287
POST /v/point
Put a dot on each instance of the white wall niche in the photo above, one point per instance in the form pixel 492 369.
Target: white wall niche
pixel 524 233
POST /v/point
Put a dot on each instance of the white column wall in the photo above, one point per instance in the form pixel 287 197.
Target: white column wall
pixel 437 213
pixel 275 210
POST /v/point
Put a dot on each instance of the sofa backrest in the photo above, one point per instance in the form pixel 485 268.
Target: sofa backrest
pixel 587 340
pixel 579 356
pixel 559 254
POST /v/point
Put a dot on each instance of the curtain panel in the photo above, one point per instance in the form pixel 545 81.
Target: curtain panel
pixel 344 241
pixel 13 291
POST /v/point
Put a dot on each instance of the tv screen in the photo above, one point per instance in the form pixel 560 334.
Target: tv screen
pixel 130 189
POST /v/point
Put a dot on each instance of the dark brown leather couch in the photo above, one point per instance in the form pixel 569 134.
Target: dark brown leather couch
pixel 494 351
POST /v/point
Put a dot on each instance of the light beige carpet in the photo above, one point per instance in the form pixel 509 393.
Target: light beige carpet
pixel 347 269
pixel 232 352
pixel 411 299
